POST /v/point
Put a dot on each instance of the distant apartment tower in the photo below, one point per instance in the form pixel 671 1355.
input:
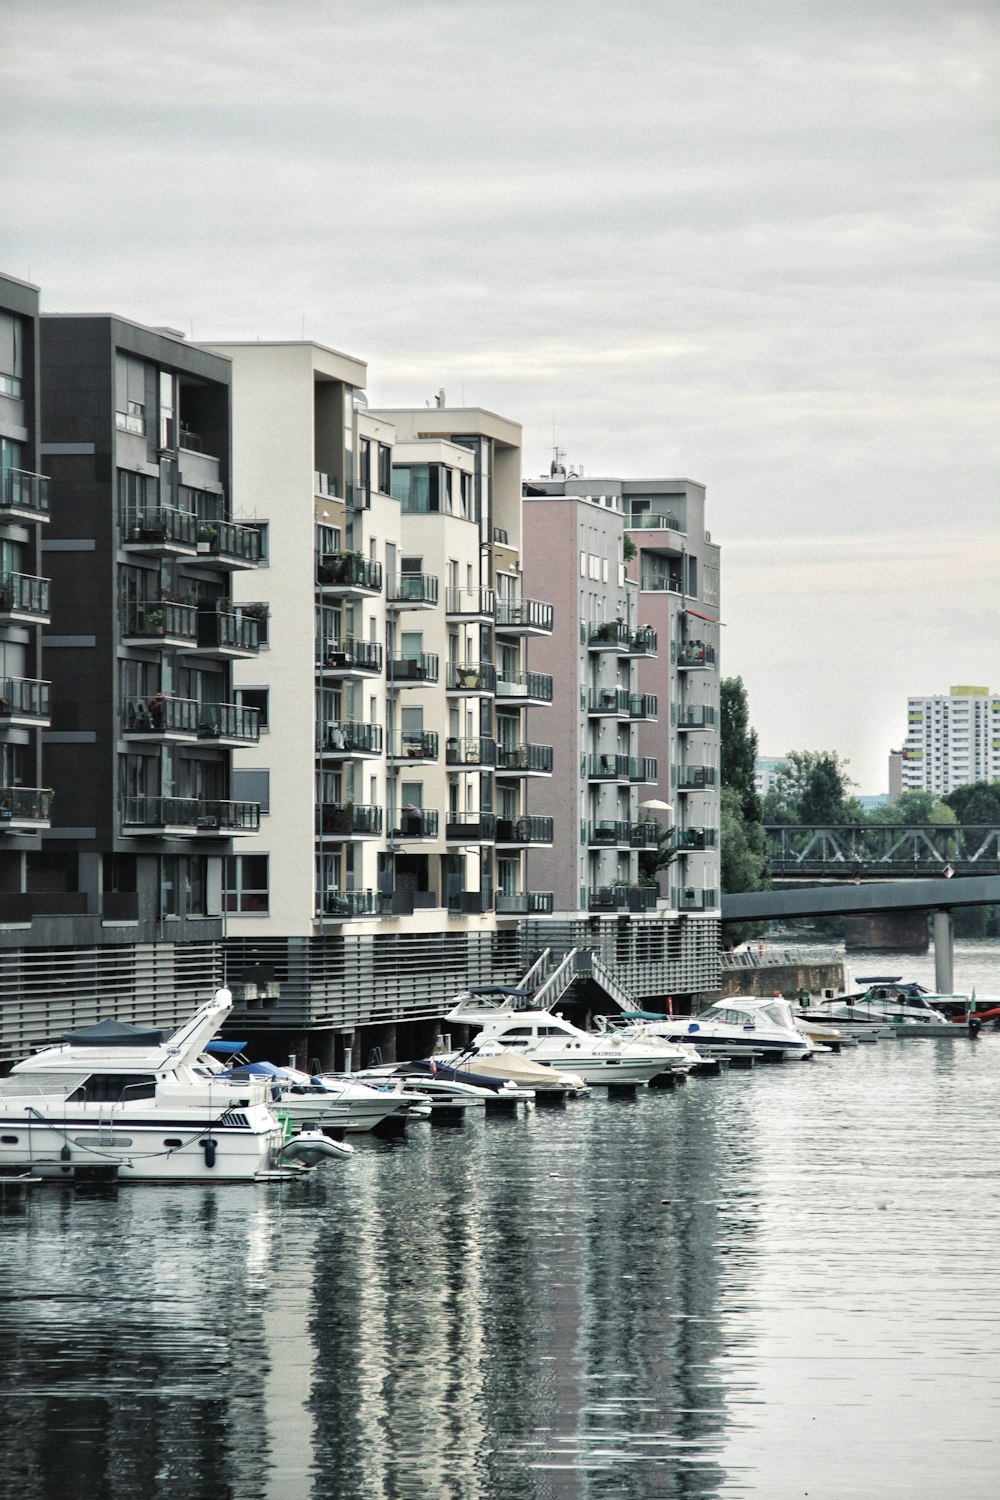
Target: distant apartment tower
pixel 766 771
pixel 951 741
pixel 634 658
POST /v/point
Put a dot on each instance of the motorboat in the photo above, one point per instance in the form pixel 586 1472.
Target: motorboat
pixel 493 1061
pixel 133 1103
pixel 907 1008
pixel 599 1058
pixel 430 1086
pixel 740 1024
pixel 335 1101
pixel 310 1146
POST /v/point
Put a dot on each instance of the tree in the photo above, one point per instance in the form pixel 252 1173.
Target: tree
pixel 739 746
pixel 812 787
pixel 977 803
pixel 914 808
pixel 744 863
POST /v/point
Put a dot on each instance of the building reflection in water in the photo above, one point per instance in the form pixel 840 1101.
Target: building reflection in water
pixel 505 1309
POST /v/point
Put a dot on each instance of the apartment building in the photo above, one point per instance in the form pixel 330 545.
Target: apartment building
pixel 951 740
pixel 634 655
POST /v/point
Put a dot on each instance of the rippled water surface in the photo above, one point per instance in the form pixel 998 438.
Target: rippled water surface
pixel 779 1283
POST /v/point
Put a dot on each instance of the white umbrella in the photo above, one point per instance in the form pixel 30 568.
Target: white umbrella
pixel 654 805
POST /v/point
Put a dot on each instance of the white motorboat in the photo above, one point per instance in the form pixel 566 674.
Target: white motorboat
pixel 430 1087
pixel 336 1101
pixel 492 1061
pixel 740 1024
pixel 600 1058
pixel 135 1104
pixel 906 1008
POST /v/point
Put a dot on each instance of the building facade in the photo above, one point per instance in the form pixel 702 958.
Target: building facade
pixel 951 740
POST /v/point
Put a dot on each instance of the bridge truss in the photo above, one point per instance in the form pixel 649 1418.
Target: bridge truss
pixel 882 851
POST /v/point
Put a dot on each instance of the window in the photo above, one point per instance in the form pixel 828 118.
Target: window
pixel 384 469
pixel 258 698
pixel 130 395
pixel 253 786
pixel 11 356
pixel 246 883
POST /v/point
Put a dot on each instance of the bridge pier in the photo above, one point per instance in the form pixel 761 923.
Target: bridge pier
pixel 943 925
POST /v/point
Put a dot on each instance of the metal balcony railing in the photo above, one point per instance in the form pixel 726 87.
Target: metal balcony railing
pixel 523 903
pixel 642 706
pixel 642 642
pixel 224 630
pixel 348 655
pixel 228 721
pixel 159 526
pixel 20 490
pixel 348 820
pixel 645 835
pixel 25 804
pixel 471 827
pixel 148 619
pixel 622 898
pixel 23 594
pixel 608 767
pixel 694 778
pixel 471 677
pixel 536 686
pixel 413 744
pixel 470 752
pixel 190 814
pixel 610 634
pixel 695 716
pixel 526 758
pixel 647 521
pixel 614 702
pixel 350 738
pixel 413 669
pixel 642 769
pixel 229 541
pixel 413 588
pixel 479 603
pixel 694 838
pixel 686 898
pixel 337 903
pixel 608 833
pixel 415 823
pixel 524 614
pixel 349 570
pixel 527 829
pixel 692 654
pixel 160 715
pixel 23 697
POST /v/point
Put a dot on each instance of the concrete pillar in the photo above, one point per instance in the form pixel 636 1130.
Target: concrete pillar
pixel 944 952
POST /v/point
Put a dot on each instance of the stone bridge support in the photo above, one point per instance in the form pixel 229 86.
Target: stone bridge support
pixel 944 952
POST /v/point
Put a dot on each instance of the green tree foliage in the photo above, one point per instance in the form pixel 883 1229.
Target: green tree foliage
pixel 739 746
pixel 913 808
pixel 812 788
pixel 978 803
pixel 744 861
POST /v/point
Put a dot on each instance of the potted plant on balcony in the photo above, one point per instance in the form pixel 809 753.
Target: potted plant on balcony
pixel 208 536
pixel 152 621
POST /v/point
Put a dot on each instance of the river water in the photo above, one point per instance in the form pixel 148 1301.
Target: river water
pixel 775 1283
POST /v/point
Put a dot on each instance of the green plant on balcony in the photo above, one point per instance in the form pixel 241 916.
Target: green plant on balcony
pixel 152 621
pixel 256 610
pixel 207 532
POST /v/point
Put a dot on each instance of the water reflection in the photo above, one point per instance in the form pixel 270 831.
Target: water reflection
pixel 678 1295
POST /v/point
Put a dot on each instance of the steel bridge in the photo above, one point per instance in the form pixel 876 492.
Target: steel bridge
pixel 865 851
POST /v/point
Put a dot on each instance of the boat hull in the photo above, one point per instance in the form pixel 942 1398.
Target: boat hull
pixel 138 1151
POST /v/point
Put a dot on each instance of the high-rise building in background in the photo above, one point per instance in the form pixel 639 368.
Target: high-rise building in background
pixel 951 740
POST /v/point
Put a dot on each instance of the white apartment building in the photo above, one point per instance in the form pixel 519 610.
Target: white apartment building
pixel 951 741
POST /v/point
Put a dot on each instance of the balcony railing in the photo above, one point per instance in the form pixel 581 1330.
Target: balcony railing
pixel 471 678
pixel 527 829
pixel 228 721
pixel 474 752
pixel 154 527
pixel 471 827
pixel 413 670
pixel 694 778
pixel 229 544
pixel 642 642
pixel 608 833
pixel 642 769
pixel 642 706
pixel 23 698
pixel 646 521
pixel 608 767
pixel 226 632
pixel 535 687
pixel 525 760
pixel 695 838
pixel 346 904
pixel 416 589
pixel 348 820
pixel 24 804
pixel 349 655
pixel 524 616
pixel 645 835
pixel 655 583
pixel 413 744
pixel 610 635
pixel 350 738
pixel 476 603
pixel 154 619
pixel 415 823
pixel 24 595
pixel 696 716
pixel 161 716
pixel 523 903
pixel 25 493
pixel 622 898
pixel 349 571
pixel 686 898
pixel 190 815
pixel 689 654
pixel 612 702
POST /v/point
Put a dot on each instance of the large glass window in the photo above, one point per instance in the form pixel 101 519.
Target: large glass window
pixel 11 354
pixel 130 394
pixel 245 886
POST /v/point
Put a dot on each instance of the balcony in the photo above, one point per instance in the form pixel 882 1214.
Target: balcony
pixel 609 833
pixel 644 835
pixel 524 617
pixel 622 898
pixel 610 635
pixel 348 820
pixel 692 655
pixel 474 752
pixel 695 778
pixel 170 817
pixel 348 574
pixel 413 591
pixel 413 671
pixel 159 531
pixel 348 658
pixel 692 839
pixel 642 706
pixel 608 703
pixel 228 546
pixel 159 622
pixel 414 823
pixel 697 716
pixel 413 744
pixel 642 642
pixel 160 719
pixel 523 831
pixel 23 701
pixel 349 741
pixel 642 770
pixel 24 599
pixel 471 828
pixel 646 520
pixel 24 809
pixel 686 898
pixel 524 760
pixel 660 583
pixel 225 635
pixel 526 688
pixel 23 496
pixel 523 903
pixel 470 604
pixel 228 724
pixel 471 678
pixel 343 905
pixel 608 767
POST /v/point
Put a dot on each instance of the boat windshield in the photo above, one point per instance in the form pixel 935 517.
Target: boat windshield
pixel 23 1085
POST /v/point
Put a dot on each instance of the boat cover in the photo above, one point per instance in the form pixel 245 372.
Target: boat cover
pixel 114 1034
pixel 524 1071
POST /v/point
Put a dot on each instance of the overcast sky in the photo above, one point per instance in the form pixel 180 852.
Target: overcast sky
pixel 753 244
